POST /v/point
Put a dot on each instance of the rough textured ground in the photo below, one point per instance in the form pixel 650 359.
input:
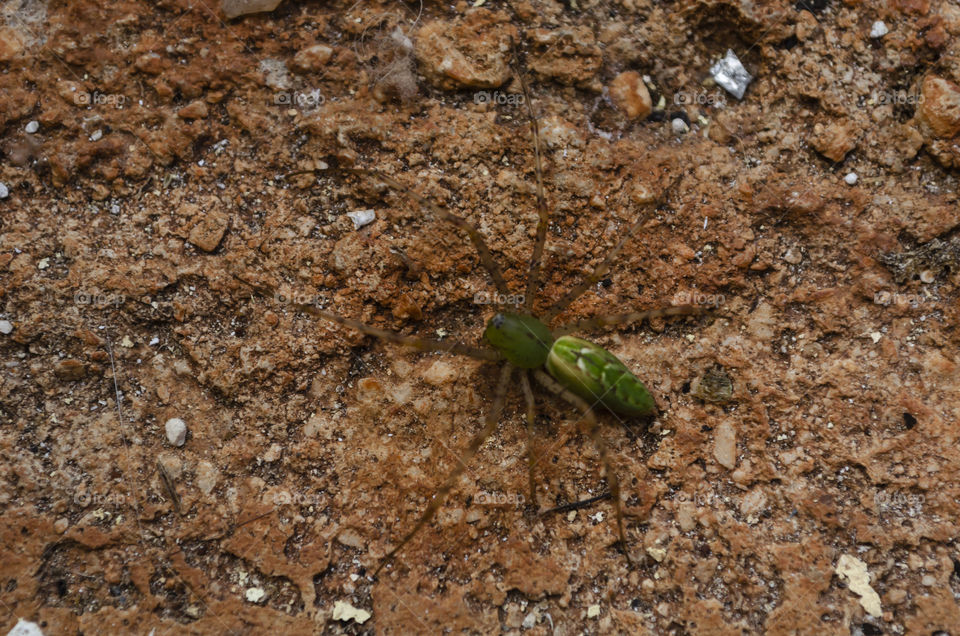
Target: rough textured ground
pixel 151 189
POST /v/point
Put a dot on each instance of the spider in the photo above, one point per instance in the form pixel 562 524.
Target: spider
pixel 579 372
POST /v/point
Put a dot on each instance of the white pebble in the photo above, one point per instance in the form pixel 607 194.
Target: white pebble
pixel 32 127
pixel 255 594
pixel 234 8
pixel 679 126
pixel 879 29
pixel 851 178
pixel 97 135
pixel 729 73
pixel 6 327
pixel 25 628
pixel 361 218
pixel 4 193
pixel 176 431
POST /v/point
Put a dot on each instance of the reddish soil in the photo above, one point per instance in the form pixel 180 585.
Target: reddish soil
pixel 143 147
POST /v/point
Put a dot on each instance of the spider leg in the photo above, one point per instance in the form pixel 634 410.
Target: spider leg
pixel 486 257
pixel 599 272
pixel 543 216
pixel 416 342
pixel 593 430
pixel 531 418
pixel 626 318
pixel 489 426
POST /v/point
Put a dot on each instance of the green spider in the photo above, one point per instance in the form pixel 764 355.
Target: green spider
pixel 578 371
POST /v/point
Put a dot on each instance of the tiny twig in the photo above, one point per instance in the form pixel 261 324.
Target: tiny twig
pixel 577 505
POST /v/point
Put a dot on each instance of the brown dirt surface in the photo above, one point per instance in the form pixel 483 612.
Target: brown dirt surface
pixel 810 420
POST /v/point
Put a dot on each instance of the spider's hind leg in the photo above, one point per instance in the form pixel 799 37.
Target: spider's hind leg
pixel 593 430
pixel 489 426
pixel 531 419
pixel 630 317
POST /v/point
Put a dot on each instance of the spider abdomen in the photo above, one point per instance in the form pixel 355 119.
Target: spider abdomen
pixel 598 376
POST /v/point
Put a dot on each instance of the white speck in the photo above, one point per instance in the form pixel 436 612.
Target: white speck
pixel 855 572
pixel 6 327
pixel 200 163
pixel 593 611
pixel 529 620
pixel 731 75
pixel 114 208
pixel 875 336
pixel 32 127
pixel 343 611
pixel 679 126
pixel 176 431
pixel 25 628
pixel 44 263
pixel 361 218
pixel 97 135
pixel 154 341
pixel 255 594
pixel 704 222
pixel 879 29
pixel 851 178
pixel 4 193
pixel 126 342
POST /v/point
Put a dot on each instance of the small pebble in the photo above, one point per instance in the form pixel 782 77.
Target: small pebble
pixel 4 192
pixel 729 73
pixel 851 178
pixel 879 29
pixel 25 628
pixel 234 8
pixel 176 431
pixel 926 276
pixel 6 327
pixel 529 621
pixel 32 127
pixel 679 126
pixel 361 218
pixel 97 135
pixel 255 594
